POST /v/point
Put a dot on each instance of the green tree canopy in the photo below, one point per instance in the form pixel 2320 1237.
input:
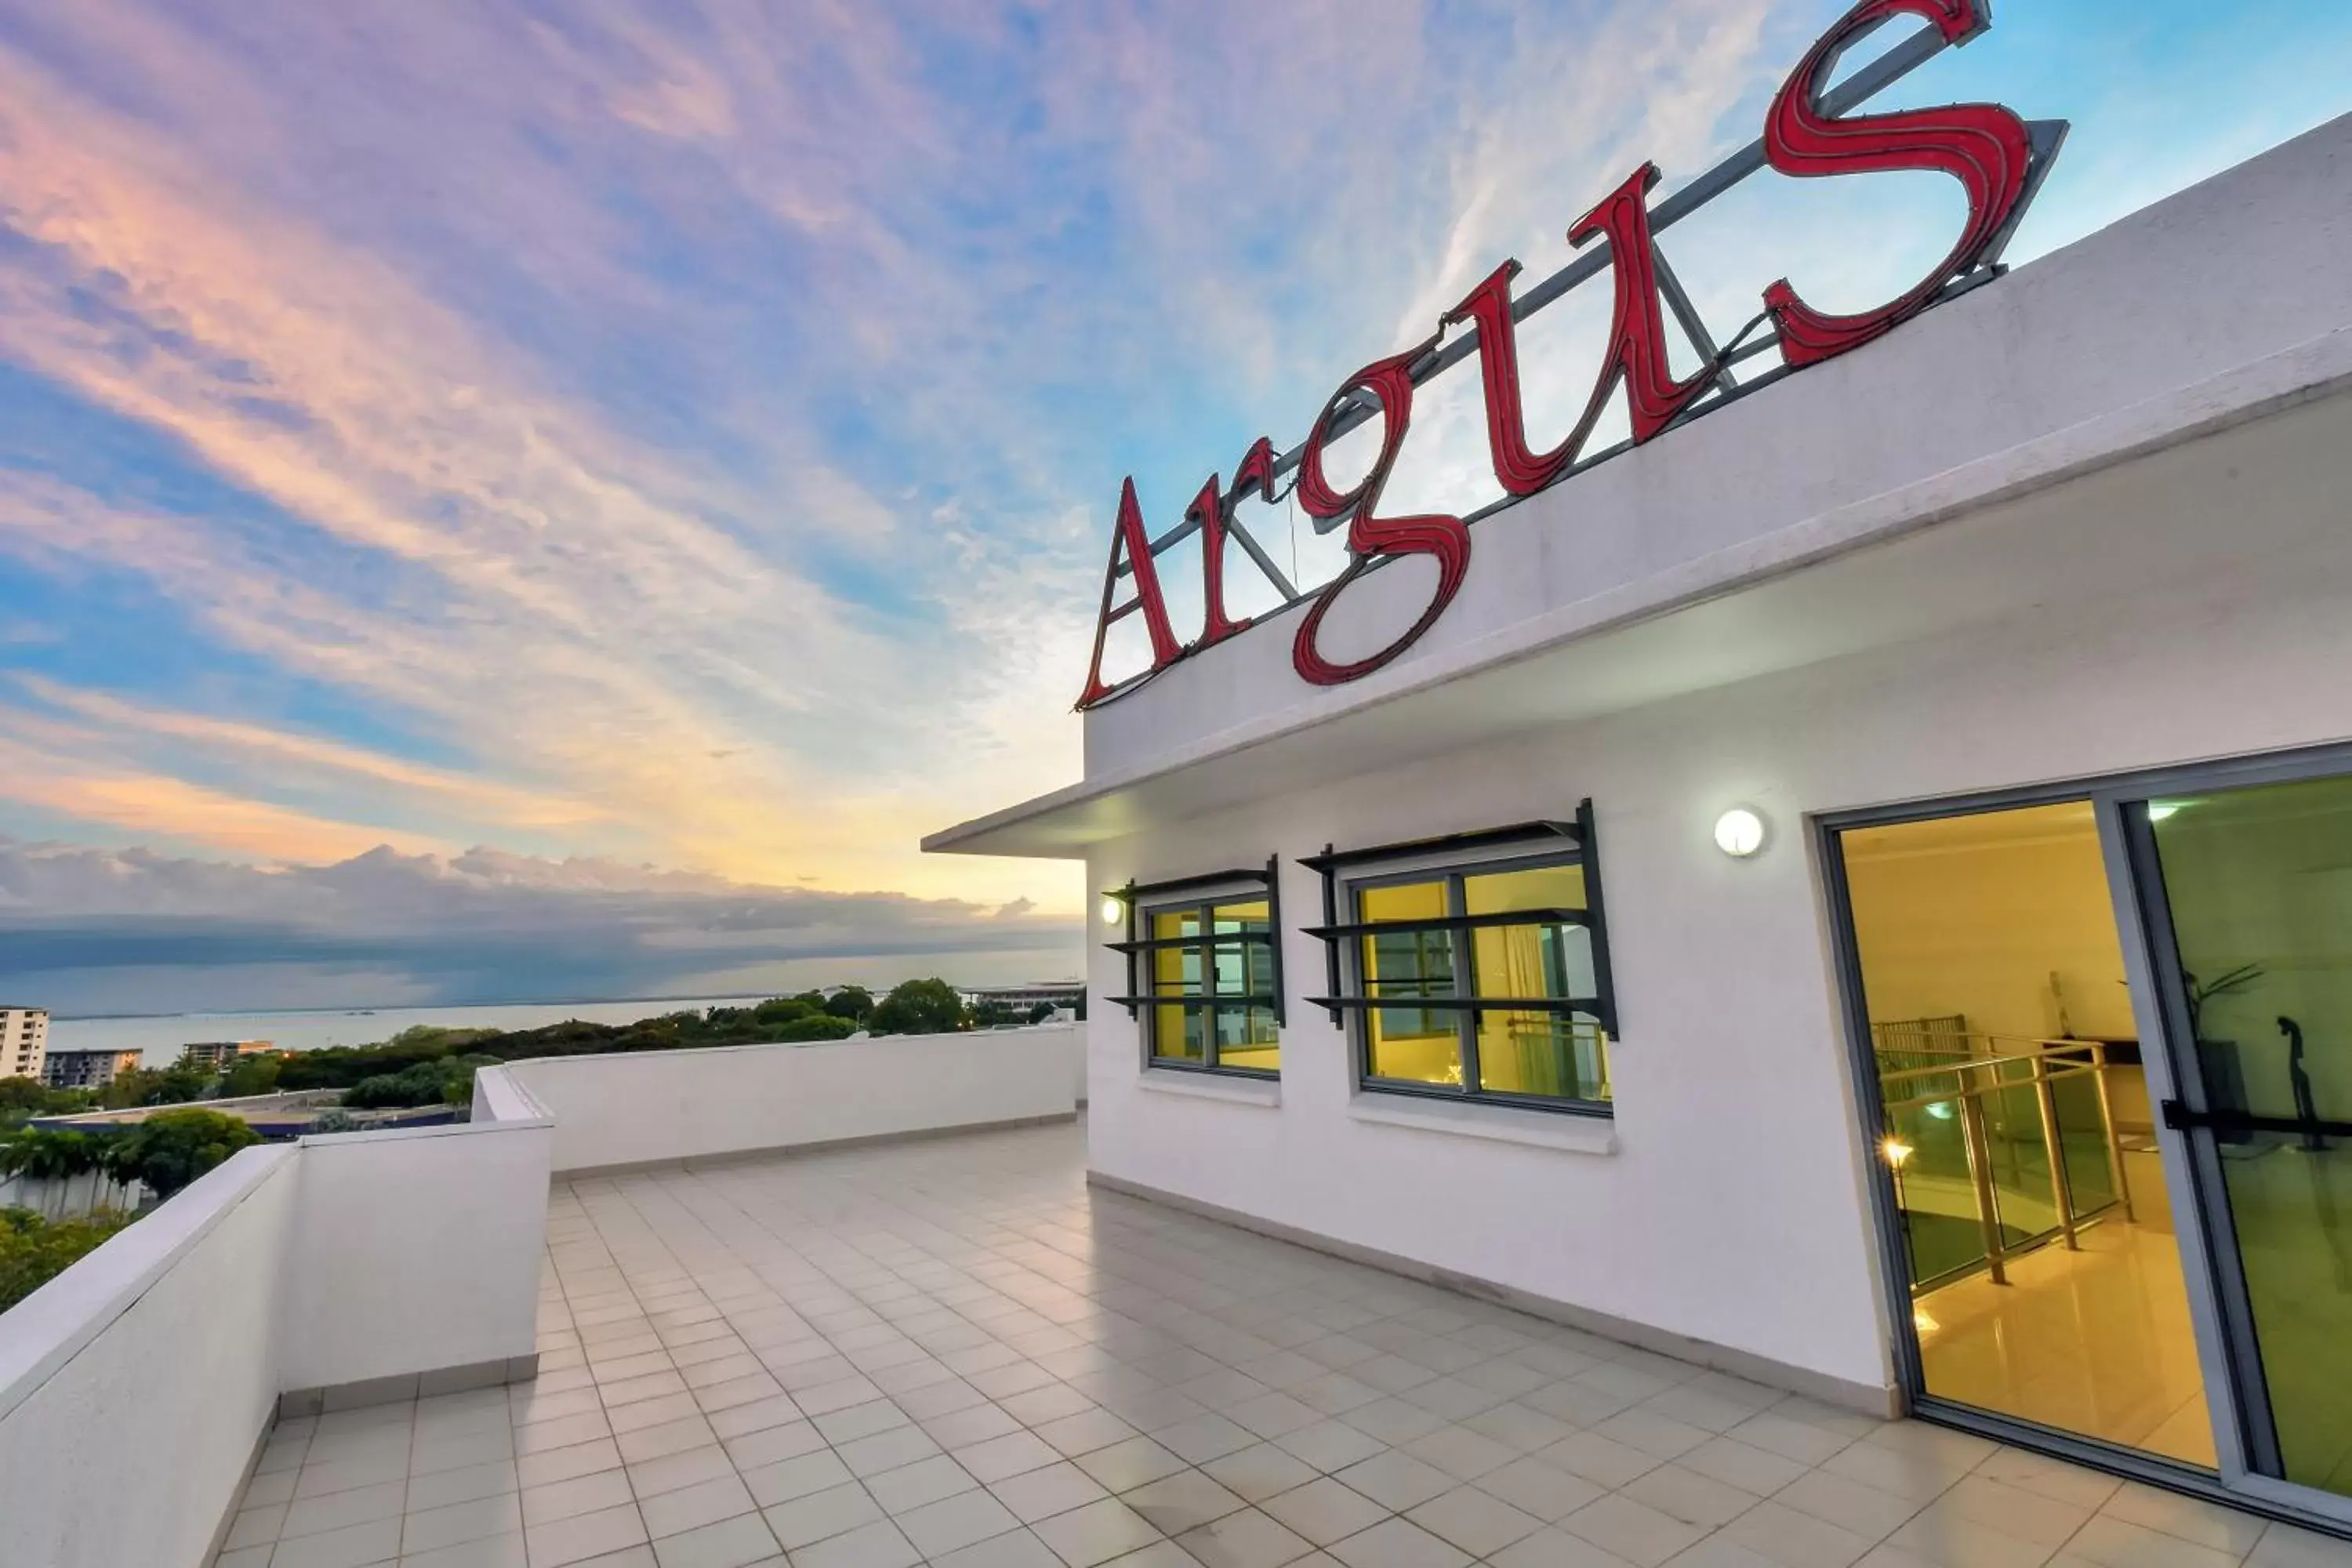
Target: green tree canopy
pixel 817 1027
pixel 21 1098
pixel 255 1074
pixel 850 1002
pixel 51 1154
pixel 32 1252
pixel 172 1148
pixel 919 1007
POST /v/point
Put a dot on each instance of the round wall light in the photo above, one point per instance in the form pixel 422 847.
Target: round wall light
pixel 1114 908
pixel 1739 833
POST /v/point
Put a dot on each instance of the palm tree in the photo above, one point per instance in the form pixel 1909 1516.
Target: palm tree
pixel 50 1156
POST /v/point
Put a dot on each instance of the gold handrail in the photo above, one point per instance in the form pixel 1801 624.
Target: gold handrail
pixel 2046 1062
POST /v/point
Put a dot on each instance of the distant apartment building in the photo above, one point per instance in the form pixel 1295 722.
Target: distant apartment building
pixel 218 1054
pixel 86 1070
pixel 24 1041
pixel 1060 994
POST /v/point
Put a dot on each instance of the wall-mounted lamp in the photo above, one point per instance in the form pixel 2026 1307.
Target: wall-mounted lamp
pixel 1114 908
pixel 1896 1151
pixel 1739 833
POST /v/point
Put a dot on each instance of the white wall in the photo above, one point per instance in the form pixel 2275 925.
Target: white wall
pixel 72 1197
pixel 632 1108
pixel 1733 1210
pixel 418 1250
pixel 134 1387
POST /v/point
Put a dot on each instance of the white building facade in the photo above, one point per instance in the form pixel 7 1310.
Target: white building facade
pixel 2042 585
pixel 24 1042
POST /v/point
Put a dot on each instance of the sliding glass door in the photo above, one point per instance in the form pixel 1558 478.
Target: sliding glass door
pixel 2248 898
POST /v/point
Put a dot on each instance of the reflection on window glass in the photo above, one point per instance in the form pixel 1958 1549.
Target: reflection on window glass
pixel 1421 1044
pixel 1243 1035
pixel 1546 1051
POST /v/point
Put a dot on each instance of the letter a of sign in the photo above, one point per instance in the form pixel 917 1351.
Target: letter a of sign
pixel 1984 146
pixel 1128 538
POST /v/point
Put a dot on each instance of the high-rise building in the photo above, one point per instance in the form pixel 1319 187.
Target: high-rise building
pixel 24 1041
pixel 86 1070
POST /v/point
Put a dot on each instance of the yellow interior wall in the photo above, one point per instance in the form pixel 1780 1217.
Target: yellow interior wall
pixel 1974 916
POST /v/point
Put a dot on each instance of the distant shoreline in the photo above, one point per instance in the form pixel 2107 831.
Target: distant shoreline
pixel 360 1009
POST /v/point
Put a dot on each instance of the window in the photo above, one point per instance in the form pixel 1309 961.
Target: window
pixel 1204 970
pixel 1483 979
pixel 1212 996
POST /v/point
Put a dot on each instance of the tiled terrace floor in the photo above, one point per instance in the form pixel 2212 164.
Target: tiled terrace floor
pixel 953 1353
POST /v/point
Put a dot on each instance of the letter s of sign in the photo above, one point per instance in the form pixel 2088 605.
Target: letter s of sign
pixel 1371 538
pixel 1984 146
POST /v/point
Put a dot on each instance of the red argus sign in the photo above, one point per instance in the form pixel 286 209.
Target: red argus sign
pixel 1998 159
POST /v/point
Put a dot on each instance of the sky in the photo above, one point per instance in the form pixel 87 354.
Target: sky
pixel 518 500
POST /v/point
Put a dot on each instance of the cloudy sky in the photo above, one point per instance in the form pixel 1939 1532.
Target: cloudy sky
pixel 516 498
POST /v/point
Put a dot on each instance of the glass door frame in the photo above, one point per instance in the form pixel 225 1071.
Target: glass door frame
pixel 2192 1178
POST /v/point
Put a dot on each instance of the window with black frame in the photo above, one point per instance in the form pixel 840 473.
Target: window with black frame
pixel 1204 970
pixel 1486 979
pixel 1212 968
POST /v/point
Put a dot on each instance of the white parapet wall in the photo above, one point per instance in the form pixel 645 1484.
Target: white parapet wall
pixel 651 1107
pixel 347 1268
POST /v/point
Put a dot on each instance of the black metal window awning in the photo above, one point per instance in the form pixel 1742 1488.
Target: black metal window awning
pixel 1571 840
pixel 1138 897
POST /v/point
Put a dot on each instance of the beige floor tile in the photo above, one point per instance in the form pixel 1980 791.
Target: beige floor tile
pixel 692 1507
pixel 1397 1544
pixel 563 1464
pixel 454 1523
pixel 1634 1530
pixel 1397 1481
pixel 876 1545
pixel 952 1522
pixel 1556 1549
pixel 1742 1465
pixel 1248 1539
pixel 1943 1536
pixel 1479 1522
pixel 817 1516
pixel 583 1536
pixel 1042 1493
pixel 333 1510
pixel 993 1458
pixel 1323 1511
pixel 1537 1486
pixel 491 1551
pixel 1128 1463
pixel 1682 1493
pixel 582 1494
pixel 2187 1519
pixel 1185 1500
pixel 672 1471
pixel 2118 1544
pixel 1796 1539
pixel 1097 1532
pixel 1019 1548
pixel 352 1546
pixel 771 1444
pixel 1866 1510
pixel 924 1481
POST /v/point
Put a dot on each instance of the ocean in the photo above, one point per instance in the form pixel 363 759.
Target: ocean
pixel 162 1036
